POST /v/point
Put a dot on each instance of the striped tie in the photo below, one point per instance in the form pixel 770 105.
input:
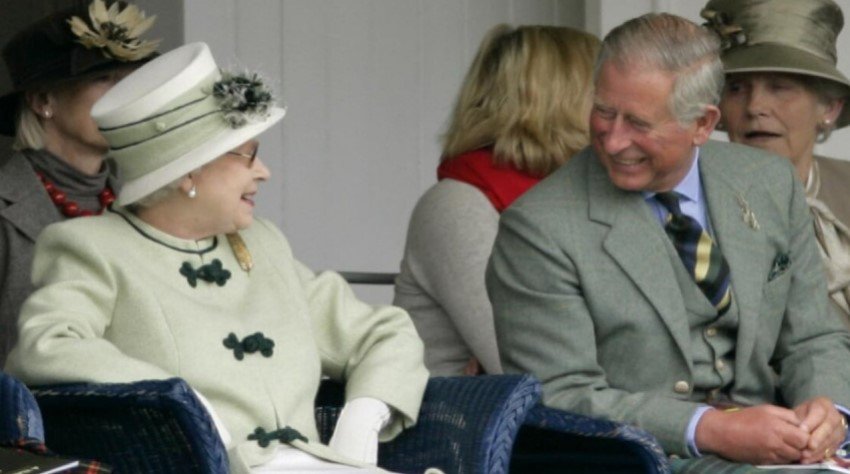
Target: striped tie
pixel 702 258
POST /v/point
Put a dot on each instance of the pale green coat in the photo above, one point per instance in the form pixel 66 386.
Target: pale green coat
pixel 113 307
pixel 586 298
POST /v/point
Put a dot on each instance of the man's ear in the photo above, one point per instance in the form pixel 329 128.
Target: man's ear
pixel 705 124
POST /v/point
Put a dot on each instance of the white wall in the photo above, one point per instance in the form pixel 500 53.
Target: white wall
pixel 368 85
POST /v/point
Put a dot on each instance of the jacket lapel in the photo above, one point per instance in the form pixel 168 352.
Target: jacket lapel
pixel 28 207
pixel 740 243
pixel 637 242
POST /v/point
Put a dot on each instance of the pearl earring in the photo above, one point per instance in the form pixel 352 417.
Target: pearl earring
pixel 193 192
pixel 48 113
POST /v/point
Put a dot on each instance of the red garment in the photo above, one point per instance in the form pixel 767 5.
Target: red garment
pixel 502 184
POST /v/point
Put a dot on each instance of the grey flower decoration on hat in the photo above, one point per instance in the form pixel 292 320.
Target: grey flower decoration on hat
pixel 243 98
pixel 177 113
pixel 116 31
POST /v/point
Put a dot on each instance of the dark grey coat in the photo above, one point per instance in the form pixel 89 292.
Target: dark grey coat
pixel 25 209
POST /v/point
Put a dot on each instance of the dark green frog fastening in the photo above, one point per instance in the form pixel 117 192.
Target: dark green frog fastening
pixel 256 342
pixel 212 272
pixel 284 435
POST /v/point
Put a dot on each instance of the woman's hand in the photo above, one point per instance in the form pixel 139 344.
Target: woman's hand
pixel 356 432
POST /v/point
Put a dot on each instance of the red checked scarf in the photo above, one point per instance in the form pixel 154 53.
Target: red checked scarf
pixel 502 184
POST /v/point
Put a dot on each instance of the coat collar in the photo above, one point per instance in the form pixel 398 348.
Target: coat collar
pixel 638 243
pixel 28 207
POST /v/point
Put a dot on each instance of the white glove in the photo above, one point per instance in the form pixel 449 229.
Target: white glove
pixel 356 432
pixel 222 431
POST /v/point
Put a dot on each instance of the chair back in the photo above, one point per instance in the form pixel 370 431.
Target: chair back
pixel 20 417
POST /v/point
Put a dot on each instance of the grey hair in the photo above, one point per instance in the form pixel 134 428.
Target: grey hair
pixel 677 46
pixel 29 134
pixel 827 92
pixel 156 196
pixel 161 193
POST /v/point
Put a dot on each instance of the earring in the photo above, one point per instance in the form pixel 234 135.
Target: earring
pixel 48 113
pixel 192 193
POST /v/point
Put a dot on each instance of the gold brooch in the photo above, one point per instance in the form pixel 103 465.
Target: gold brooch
pixel 747 214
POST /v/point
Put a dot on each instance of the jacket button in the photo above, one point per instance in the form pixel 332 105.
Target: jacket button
pixel 681 387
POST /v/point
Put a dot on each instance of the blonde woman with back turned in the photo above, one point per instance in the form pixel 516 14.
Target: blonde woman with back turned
pixel 521 112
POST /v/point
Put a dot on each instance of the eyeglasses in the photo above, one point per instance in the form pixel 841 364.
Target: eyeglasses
pixel 251 157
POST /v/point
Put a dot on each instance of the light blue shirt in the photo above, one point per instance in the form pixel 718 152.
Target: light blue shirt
pixel 692 199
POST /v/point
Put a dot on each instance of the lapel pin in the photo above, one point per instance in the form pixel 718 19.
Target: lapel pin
pixel 747 214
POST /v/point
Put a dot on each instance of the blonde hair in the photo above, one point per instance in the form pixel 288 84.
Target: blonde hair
pixel 29 134
pixel 527 95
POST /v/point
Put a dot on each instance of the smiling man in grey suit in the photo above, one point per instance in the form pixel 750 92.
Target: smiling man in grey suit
pixel 660 278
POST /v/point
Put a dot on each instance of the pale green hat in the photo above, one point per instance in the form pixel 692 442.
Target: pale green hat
pixel 177 113
pixel 789 36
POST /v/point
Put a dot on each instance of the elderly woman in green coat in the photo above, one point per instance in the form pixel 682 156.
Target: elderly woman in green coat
pixel 182 281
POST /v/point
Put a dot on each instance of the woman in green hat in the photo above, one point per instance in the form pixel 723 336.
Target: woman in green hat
pixel 784 94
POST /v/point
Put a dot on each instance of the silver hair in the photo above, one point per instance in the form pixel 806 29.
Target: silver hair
pixel 161 193
pixel 675 45
pixel 827 92
pixel 156 196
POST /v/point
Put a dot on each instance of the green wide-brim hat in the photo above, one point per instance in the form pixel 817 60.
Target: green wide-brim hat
pixel 785 36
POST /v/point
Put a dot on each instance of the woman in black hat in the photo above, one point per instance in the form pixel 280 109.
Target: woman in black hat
pixel 784 94
pixel 59 66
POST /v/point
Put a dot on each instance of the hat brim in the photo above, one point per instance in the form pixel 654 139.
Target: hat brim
pixel 208 151
pixel 773 57
pixel 10 101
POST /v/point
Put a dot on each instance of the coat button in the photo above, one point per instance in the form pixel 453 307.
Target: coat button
pixel 719 365
pixel 681 387
pixel 711 332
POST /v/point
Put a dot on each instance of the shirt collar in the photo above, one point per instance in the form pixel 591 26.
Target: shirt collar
pixel 691 184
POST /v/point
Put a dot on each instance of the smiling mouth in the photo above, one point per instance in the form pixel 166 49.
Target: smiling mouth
pixel 758 134
pixel 626 162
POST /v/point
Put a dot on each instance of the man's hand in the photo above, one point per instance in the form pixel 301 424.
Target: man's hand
pixel 825 426
pixel 763 434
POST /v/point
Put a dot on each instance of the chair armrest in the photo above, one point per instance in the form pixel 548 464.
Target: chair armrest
pixel 141 427
pixel 20 417
pixel 466 424
pixel 553 437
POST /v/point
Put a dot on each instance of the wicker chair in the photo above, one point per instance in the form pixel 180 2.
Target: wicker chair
pixel 554 441
pixel 466 425
pixel 20 417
